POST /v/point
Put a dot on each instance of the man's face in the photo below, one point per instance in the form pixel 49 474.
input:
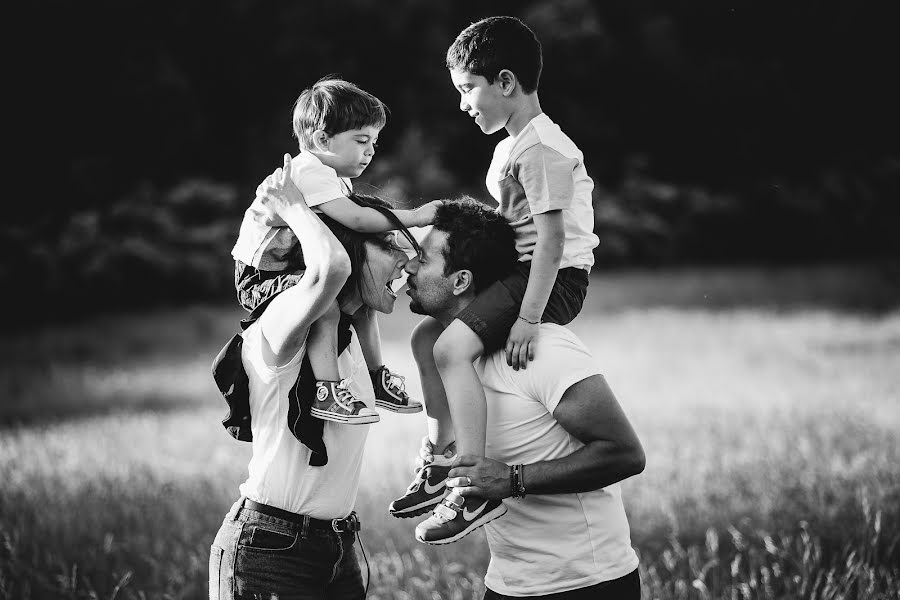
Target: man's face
pixel 430 291
pixel 483 101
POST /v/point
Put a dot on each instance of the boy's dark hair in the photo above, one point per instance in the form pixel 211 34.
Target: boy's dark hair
pixel 354 242
pixel 334 106
pixel 479 240
pixel 487 47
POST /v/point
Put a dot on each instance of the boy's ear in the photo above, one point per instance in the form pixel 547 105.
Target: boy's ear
pixel 462 282
pixel 508 82
pixel 321 140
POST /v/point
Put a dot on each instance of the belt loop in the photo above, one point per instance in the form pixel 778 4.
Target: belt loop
pixel 236 509
pixel 304 530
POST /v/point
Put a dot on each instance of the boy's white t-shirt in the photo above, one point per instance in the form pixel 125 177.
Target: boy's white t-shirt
pixel 266 247
pixel 551 543
pixel 279 471
pixel 537 171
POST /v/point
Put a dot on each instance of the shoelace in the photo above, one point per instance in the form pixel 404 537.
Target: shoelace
pixel 342 394
pixel 397 383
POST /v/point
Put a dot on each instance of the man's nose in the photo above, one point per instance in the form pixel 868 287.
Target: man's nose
pixel 412 265
pixel 463 105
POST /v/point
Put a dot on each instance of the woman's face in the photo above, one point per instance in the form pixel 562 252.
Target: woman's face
pixel 384 264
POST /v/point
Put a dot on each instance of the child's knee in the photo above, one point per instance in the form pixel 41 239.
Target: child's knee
pixel 457 344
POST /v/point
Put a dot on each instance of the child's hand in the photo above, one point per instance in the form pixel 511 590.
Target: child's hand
pixel 427 212
pixel 278 191
pixel 521 343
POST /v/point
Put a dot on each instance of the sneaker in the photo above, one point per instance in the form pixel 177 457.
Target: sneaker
pixel 456 517
pixel 390 392
pixel 335 402
pixel 427 488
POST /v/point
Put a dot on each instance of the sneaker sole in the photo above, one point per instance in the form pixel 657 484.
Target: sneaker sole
pixel 417 510
pixel 347 419
pixel 481 521
pixel 398 408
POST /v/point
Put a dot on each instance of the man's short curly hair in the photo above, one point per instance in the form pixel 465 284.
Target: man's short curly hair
pixel 479 240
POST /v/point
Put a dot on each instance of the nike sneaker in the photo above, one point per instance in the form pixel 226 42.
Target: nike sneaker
pixel 390 392
pixel 427 488
pixel 456 517
pixel 336 402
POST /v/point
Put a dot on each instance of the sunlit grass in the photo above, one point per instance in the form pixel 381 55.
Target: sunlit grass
pixel 771 439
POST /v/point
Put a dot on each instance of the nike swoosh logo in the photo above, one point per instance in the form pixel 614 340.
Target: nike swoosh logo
pixel 470 516
pixel 433 489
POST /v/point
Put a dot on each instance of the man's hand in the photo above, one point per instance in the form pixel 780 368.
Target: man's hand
pixel 278 191
pixel 521 343
pixel 479 476
pixel 425 214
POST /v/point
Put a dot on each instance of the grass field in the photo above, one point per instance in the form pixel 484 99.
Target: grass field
pixel 768 402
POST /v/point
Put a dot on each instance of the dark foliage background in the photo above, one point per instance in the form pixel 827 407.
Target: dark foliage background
pixel 716 131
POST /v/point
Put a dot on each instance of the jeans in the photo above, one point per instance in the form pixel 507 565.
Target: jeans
pixel 259 556
pixel 623 588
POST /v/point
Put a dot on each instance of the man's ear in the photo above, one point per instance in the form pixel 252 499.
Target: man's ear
pixel 508 82
pixel 321 140
pixel 462 282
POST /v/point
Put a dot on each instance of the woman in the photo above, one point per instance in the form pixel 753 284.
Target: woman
pixel 291 533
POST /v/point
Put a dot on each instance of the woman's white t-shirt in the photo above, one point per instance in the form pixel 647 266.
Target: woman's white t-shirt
pixel 280 473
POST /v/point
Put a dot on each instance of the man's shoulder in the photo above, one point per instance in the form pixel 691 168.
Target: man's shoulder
pixel 558 349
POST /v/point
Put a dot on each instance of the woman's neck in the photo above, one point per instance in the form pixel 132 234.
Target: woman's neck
pixel 350 305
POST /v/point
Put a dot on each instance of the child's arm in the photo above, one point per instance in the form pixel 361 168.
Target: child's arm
pixel 368 220
pixel 545 259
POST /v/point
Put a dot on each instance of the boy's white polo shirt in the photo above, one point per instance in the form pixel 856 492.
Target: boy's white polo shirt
pixel 265 246
pixel 546 544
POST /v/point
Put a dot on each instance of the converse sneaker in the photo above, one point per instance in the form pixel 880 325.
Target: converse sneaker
pixel 390 392
pixel 456 517
pixel 335 402
pixel 427 488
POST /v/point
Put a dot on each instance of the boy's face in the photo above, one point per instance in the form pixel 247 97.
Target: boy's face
pixel 482 100
pixel 351 151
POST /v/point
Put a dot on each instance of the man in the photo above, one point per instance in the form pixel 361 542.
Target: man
pixel 557 439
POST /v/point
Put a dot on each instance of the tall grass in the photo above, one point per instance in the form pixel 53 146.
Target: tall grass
pixel 771 435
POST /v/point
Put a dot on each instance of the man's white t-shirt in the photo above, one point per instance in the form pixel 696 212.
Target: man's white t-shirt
pixel 546 544
pixel 266 247
pixel 280 474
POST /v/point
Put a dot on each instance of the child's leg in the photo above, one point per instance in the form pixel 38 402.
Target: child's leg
pixel 429 484
pixel 454 352
pixel 440 423
pixel 366 325
pixel 321 345
pixel 390 388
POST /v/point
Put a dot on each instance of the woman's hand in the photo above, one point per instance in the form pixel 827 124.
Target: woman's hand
pixel 279 192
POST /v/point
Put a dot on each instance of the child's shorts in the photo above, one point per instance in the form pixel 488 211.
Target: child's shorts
pixel 255 286
pixel 492 314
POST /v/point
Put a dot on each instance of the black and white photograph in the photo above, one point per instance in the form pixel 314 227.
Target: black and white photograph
pixel 419 300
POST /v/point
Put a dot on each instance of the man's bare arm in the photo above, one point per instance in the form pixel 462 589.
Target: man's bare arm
pixel 590 412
